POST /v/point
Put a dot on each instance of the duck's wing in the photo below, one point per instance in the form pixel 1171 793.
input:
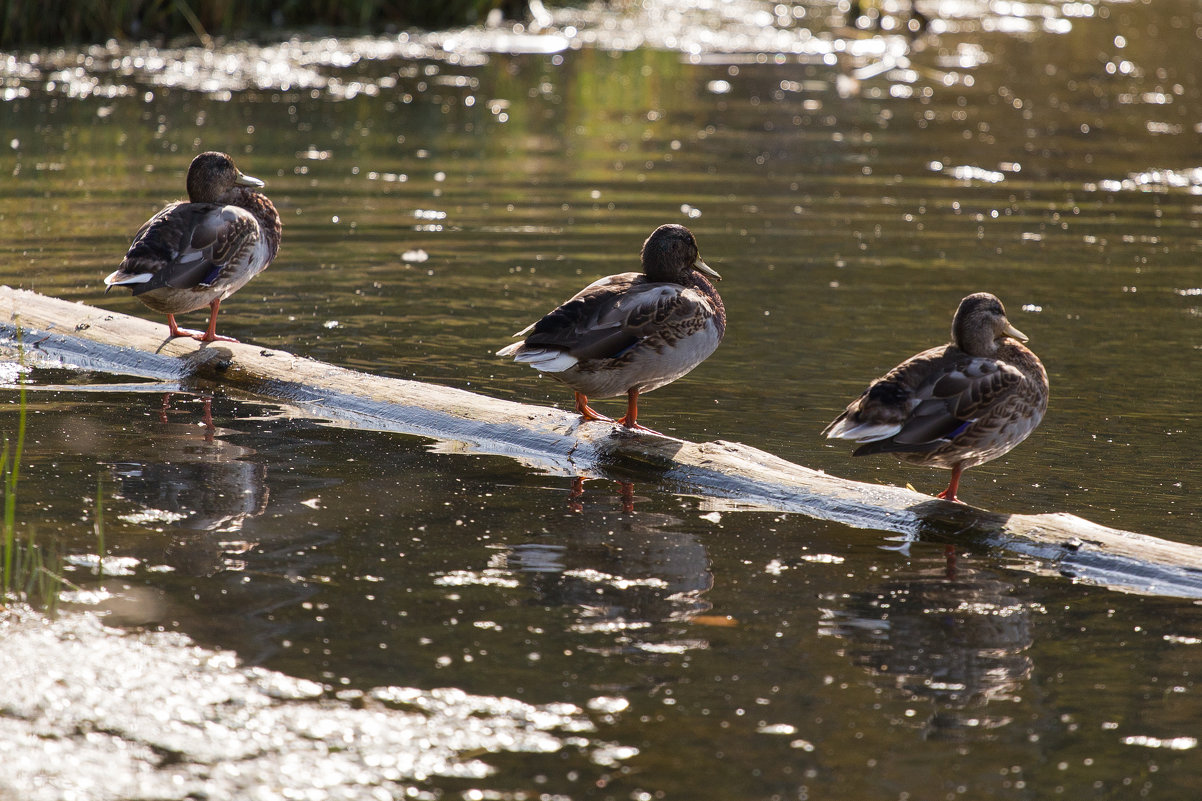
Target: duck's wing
pixel 610 316
pixel 187 245
pixel 925 402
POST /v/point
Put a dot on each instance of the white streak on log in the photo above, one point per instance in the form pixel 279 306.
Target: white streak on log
pixel 553 440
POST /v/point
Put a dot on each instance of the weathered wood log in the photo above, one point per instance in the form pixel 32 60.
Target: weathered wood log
pixel 732 475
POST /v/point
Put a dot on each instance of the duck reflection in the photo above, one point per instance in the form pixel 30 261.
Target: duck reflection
pixel 621 572
pixel 949 632
pixel 197 486
pixel 577 493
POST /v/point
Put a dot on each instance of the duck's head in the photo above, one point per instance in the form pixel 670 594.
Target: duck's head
pixel 670 253
pixel 212 175
pixel 980 324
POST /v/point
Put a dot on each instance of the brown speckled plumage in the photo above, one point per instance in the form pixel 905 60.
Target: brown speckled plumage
pixel 198 252
pixel 631 333
pixel 955 406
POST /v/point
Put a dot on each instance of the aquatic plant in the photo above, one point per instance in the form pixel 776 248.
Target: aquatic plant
pixel 10 471
pixel 81 21
pixel 31 569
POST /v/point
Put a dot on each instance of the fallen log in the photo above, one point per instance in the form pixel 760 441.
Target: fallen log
pixel 731 475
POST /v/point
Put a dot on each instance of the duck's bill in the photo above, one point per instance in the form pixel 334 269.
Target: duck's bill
pixel 249 180
pixel 1011 331
pixel 702 267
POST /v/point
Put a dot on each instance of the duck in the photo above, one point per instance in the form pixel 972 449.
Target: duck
pixel 197 252
pixel 957 405
pixel 630 333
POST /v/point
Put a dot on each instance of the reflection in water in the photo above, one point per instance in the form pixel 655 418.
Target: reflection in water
pixel 951 633
pixel 201 491
pixel 198 486
pixel 621 573
pixel 577 493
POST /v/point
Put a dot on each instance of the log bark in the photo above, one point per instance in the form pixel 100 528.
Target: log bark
pixel 730 475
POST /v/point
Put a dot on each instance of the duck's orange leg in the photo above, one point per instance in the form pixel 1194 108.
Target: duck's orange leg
pixel 587 414
pixel 630 419
pixel 949 494
pixel 176 331
pixel 208 335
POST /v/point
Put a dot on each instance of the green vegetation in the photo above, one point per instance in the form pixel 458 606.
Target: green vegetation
pixel 26 24
pixel 10 470
pixel 25 572
pixel 31 570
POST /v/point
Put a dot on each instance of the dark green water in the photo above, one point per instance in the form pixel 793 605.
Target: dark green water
pixel 437 193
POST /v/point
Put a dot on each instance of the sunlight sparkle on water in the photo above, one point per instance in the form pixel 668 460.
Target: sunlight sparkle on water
pixel 1171 744
pixel 704 30
pixel 465 578
pixel 110 565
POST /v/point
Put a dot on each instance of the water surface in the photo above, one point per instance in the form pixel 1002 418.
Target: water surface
pixel 440 190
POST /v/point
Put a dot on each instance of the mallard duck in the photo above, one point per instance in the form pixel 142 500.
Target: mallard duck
pixel 630 333
pixel 198 252
pixel 955 406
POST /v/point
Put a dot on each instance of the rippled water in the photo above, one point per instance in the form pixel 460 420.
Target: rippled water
pixel 851 186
